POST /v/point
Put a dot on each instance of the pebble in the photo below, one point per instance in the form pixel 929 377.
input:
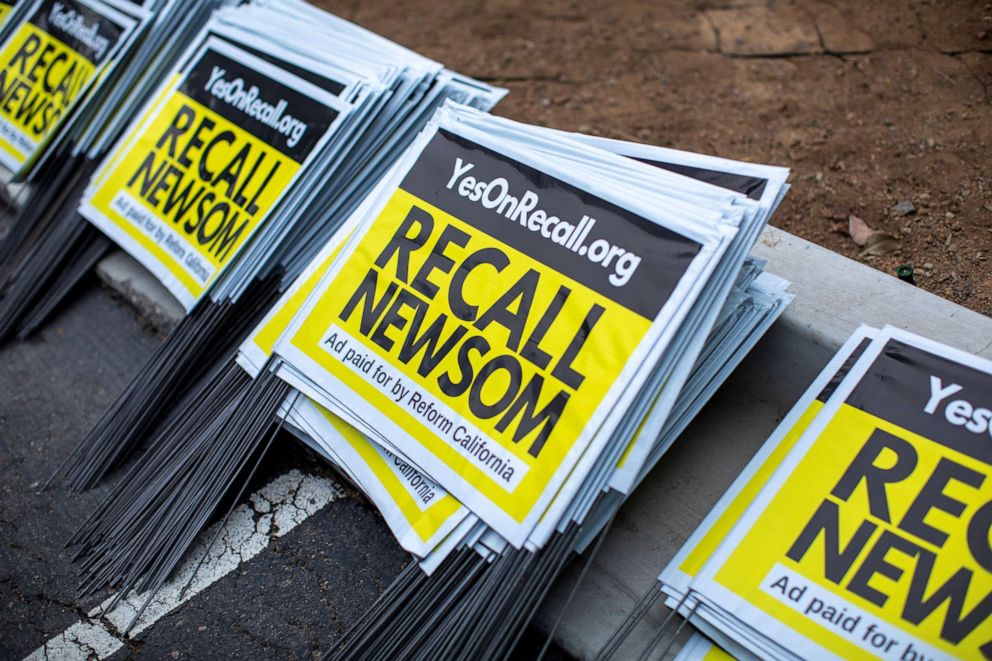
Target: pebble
pixel 903 208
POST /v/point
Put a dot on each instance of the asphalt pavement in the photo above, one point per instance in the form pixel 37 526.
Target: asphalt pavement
pixel 284 595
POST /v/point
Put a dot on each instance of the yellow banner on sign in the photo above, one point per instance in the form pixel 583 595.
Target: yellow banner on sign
pixel 489 359
pixel 191 188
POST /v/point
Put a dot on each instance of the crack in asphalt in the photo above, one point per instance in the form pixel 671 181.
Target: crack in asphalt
pixel 269 513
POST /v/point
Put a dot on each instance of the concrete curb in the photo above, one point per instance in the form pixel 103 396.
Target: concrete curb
pixel 141 290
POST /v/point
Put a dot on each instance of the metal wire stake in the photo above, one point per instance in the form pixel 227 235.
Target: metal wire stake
pixel 661 630
pixel 575 587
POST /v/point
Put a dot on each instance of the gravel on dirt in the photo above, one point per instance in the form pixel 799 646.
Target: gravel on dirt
pixel 869 103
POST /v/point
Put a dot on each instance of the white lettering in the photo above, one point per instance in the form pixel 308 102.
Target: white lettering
pixel 460 169
pixel 233 92
pixel 939 393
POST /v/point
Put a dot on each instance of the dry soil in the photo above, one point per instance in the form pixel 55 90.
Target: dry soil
pixel 869 103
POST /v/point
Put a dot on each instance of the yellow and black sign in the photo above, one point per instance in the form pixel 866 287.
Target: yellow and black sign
pixel 47 65
pixel 486 312
pixel 203 169
pixel 878 542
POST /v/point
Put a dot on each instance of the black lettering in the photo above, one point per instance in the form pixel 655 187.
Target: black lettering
pixel 71 83
pixel 954 591
pixel 226 137
pixel 227 239
pixel 932 496
pixel 40 63
pixel 5 85
pixel 145 173
pixel 521 294
pixel 453 388
pixel 202 234
pixel 456 298
pixel 393 318
pixel 180 124
pixel 30 107
pixel 195 141
pixel 27 49
pixel 180 200
pixel 509 365
pixel 875 477
pixel 531 350
pixel 371 310
pixel 252 208
pixel 402 245
pixel 875 563
pixel 427 341
pixel 438 261
pixel 229 175
pixel 836 561
pixel 239 196
pixel 48 116
pixel 979 538
pixel 201 212
pixel 47 82
pixel 563 369
pixel 526 406
pixel 164 183
pixel 18 92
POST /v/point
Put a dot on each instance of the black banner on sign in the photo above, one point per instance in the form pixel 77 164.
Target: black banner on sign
pixel 619 254
pixel 753 187
pixel 949 403
pixel 286 119
pixel 88 32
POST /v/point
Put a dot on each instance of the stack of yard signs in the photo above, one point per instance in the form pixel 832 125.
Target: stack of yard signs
pixel 520 291
pixel 273 126
pixel 382 95
pixel 501 341
pixel 861 528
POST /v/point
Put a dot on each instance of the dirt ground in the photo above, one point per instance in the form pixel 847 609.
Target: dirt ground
pixel 869 103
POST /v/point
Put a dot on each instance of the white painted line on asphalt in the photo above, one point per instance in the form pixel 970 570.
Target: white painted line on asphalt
pixel 270 513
